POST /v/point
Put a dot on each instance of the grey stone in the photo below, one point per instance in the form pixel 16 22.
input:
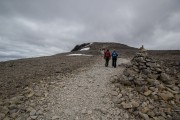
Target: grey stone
pixel 4 109
pixel 126 115
pixel 144 116
pixel 33 117
pixel 55 117
pixel 116 100
pixel 2 115
pixel 151 65
pixel 7 118
pixel 22 117
pixel 33 113
pixel 175 116
pixel 126 105
pixel 164 77
pixel 114 93
pixel 146 71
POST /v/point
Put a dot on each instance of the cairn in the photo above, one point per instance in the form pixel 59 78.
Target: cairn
pixel 147 90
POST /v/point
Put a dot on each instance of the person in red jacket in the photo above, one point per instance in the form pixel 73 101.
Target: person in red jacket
pixel 107 56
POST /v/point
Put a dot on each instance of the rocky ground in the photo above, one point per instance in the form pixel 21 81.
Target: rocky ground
pixel 143 86
pixel 86 94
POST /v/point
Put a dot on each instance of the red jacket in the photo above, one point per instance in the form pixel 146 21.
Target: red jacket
pixel 107 54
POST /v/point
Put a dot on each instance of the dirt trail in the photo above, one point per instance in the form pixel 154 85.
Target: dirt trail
pixel 86 96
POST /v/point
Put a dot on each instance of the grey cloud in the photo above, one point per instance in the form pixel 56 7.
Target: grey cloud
pixel 45 27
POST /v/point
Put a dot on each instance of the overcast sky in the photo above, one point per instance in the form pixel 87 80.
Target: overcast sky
pixel 30 28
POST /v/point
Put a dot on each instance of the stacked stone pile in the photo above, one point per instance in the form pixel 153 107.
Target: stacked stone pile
pixel 147 90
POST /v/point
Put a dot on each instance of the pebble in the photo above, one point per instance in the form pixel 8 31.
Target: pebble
pixel 55 117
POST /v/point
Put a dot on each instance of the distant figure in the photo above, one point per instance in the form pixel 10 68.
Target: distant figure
pixel 107 56
pixel 114 58
pixel 142 49
pixel 102 51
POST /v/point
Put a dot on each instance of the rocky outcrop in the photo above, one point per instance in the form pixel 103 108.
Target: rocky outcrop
pixel 147 90
pixel 79 47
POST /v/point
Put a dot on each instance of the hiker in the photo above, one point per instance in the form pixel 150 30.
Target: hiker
pixel 102 52
pixel 107 56
pixel 114 58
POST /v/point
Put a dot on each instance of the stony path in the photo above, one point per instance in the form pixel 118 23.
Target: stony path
pixel 86 96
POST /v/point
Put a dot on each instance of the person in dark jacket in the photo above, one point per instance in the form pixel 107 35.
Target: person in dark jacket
pixel 114 58
pixel 107 56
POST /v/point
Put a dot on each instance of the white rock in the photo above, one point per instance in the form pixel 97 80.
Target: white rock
pixel 89 112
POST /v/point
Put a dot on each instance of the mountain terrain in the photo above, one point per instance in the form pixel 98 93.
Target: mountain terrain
pixel 76 85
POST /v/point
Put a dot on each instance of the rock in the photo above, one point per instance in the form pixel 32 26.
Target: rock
pixel 164 77
pixel 153 76
pixel 40 112
pixel 116 100
pixel 55 117
pixel 161 87
pixel 33 117
pixel 23 117
pixel 145 110
pixel 158 70
pixel 146 71
pixel 140 82
pixel 124 80
pixel 176 109
pixel 129 72
pixel 147 93
pixel 118 85
pixel 134 104
pixel 89 112
pixel 126 115
pixel 83 111
pixel 103 110
pixel 13 115
pixel 166 95
pixel 144 116
pixel 33 113
pixel 29 109
pixel 151 114
pixel 140 60
pixel 7 118
pixel 131 78
pixel 175 116
pixel 114 79
pixel 68 112
pixel 2 115
pixel 151 65
pixel 4 109
pixel 119 96
pixel 155 118
pixel 30 94
pixel 114 93
pixel 172 91
pixel 161 118
pixel 126 105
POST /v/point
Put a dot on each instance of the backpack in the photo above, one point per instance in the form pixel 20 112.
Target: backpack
pixel 114 54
